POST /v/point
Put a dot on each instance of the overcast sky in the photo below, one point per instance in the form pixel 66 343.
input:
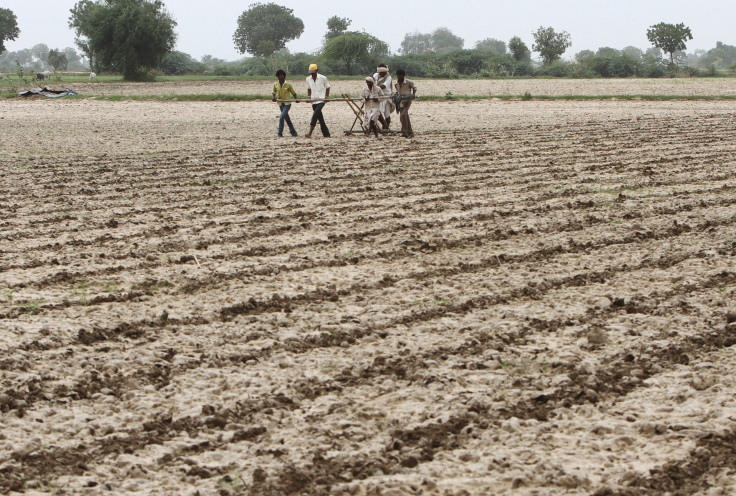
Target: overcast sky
pixel 207 27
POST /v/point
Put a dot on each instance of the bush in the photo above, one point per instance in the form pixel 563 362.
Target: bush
pixel 178 63
pixel 614 66
pixel 558 68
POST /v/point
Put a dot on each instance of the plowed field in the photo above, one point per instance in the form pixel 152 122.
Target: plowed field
pixel 528 298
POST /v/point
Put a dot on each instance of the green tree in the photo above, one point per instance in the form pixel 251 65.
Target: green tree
pixel 8 27
pixel 265 28
pixel 491 45
pixel 178 63
pixel 354 49
pixel 126 36
pixel 633 52
pixel 670 38
pixel 519 50
pixel 336 26
pixel 607 52
pixel 58 59
pixel 584 56
pixel 445 41
pixel 416 42
pixel 41 52
pixel 550 44
pixel 720 57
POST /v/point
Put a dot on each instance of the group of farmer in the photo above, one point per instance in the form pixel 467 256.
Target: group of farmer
pixel 380 98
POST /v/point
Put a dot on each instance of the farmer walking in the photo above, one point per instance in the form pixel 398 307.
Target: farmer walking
pixel 318 88
pixel 284 91
pixel 372 109
pixel 406 92
pixel 383 81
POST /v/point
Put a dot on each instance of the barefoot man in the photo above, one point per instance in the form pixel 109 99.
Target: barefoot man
pixel 372 106
pixel 318 88
pixel 406 92
pixel 383 81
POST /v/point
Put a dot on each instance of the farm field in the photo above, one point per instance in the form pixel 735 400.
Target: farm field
pixel 528 298
pixel 431 87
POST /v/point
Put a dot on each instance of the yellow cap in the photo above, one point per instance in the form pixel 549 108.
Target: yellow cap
pixel 312 67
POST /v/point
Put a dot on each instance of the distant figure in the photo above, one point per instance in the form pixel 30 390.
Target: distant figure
pixel 92 76
pixel 40 76
pixel 383 81
pixel 406 91
pixel 284 91
pixel 318 88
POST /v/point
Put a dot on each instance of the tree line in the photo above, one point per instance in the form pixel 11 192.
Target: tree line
pixel 137 37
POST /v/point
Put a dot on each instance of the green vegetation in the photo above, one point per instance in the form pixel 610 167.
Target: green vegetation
pixel 264 29
pixel 8 27
pixel 550 44
pixel 336 26
pixel 130 37
pixel 353 50
pixel 670 38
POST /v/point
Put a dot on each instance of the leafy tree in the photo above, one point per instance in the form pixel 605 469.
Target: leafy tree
pixel 416 43
pixel 126 36
pixel 633 52
pixel 491 45
pixel 24 57
pixel 607 52
pixel 354 48
pixel 57 59
pixel 211 62
pixel 71 55
pixel 445 41
pixel 336 26
pixel 584 56
pixel 441 40
pixel 41 52
pixel 178 63
pixel 466 62
pixel 720 57
pixel 8 27
pixel 519 50
pixel 550 44
pixel 615 65
pixel 670 38
pixel 266 28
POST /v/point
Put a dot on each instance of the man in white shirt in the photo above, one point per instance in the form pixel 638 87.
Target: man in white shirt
pixel 372 107
pixel 383 81
pixel 318 88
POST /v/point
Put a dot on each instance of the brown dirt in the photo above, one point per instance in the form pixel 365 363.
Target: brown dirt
pixel 538 87
pixel 527 298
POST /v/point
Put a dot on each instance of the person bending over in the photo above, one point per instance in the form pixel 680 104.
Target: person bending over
pixel 372 106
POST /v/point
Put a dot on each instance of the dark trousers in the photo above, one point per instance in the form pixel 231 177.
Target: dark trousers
pixel 284 117
pixel 405 121
pixel 317 116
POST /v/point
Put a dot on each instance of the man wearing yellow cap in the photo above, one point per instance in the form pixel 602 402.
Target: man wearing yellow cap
pixel 318 90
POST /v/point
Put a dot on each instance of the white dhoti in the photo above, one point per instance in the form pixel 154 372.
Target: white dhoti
pixel 371 115
pixel 387 106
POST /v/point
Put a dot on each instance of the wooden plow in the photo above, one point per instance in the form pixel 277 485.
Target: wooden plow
pixel 354 107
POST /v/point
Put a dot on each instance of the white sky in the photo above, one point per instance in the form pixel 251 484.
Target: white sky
pixel 207 27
